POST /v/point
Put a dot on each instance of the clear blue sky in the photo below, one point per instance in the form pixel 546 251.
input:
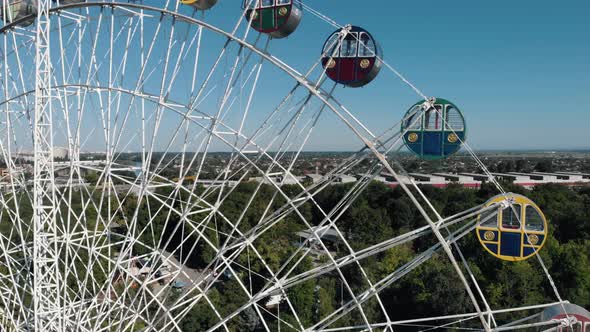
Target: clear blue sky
pixel 520 70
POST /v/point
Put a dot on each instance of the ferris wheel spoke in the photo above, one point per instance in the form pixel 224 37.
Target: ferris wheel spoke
pixel 217 119
pixel 162 89
pixel 449 252
pixel 195 100
pixel 281 283
pixel 242 308
pixel 281 212
pixel 424 228
pixel 9 286
pixel 388 280
pixel 6 148
pixel 378 248
pixel 179 126
pixel 439 236
pixel 90 204
pixel 232 157
pixel 328 175
pixel 15 267
pixel 267 171
pixel 20 71
pixel 228 169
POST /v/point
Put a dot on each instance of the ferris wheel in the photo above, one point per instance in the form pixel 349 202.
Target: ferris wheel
pixel 151 164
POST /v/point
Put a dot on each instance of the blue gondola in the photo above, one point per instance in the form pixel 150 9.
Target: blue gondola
pixel 436 131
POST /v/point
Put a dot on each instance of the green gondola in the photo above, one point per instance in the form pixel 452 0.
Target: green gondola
pixel 278 18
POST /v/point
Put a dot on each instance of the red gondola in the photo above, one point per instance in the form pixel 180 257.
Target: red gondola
pixel 352 57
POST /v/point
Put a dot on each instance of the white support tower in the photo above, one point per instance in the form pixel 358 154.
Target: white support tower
pixel 45 261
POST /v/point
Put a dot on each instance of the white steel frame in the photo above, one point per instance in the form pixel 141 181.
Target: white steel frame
pixel 60 242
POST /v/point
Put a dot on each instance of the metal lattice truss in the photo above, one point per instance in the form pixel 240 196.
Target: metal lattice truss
pixel 108 237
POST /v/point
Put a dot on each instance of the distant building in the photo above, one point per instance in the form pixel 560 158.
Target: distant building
pixel 273 301
pixel 315 178
pixel 325 233
pixel 279 178
pixel 342 178
pixel 474 180
pixel 576 176
pixel 6 173
pixel 287 179
pixel 465 180
pixel 431 179
pixel 329 236
pixel 60 152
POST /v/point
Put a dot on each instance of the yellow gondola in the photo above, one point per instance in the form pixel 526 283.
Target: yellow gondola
pixel 199 4
pixel 513 232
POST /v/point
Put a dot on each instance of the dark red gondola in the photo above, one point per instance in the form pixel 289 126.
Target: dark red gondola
pixel 352 57
pixel 278 18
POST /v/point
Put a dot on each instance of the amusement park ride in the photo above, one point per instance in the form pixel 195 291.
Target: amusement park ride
pixel 113 74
